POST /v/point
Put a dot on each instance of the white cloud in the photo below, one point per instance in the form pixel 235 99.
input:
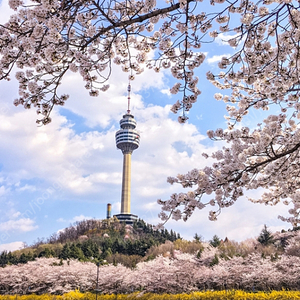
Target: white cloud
pixel 3 190
pixel 27 187
pixel 166 92
pixel 15 215
pixel 61 220
pixel 86 163
pixel 20 225
pixel 216 58
pixel 223 38
pixel 5 11
pixel 110 105
pixel 11 246
pixel 74 219
pixel 80 218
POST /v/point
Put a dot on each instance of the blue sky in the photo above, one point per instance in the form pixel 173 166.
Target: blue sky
pixel 69 170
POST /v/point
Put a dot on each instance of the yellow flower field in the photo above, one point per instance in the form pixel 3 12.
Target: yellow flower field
pixel 208 295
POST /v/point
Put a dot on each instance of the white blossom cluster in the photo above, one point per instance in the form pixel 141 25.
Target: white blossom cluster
pixel 48 38
pixel 265 158
pixel 263 72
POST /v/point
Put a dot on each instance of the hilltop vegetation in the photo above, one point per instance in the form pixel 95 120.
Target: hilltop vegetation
pixel 110 242
pixel 99 241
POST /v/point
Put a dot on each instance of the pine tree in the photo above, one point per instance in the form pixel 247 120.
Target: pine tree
pixel 197 238
pixel 87 249
pixel 76 252
pixel 47 253
pixel 215 242
pixel 265 237
pixel 65 252
pixel 3 259
pixel 12 259
pixel 23 259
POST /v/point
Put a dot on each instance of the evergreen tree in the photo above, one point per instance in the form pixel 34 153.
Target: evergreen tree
pixel 87 249
pixel 265 237
pixel 23 259
pixel 3 259
pixel 215 242
pixel 30 256
pixel 197 238
pixel 76 252
pixel 106 253
pixel 95 249
pixel 12 258
pixel 129 247
pixel 47 253
pixel 65 252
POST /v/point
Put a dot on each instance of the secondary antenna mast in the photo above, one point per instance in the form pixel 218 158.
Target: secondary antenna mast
pixel 128 97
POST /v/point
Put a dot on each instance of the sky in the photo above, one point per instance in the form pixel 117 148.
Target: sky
pixel 67 171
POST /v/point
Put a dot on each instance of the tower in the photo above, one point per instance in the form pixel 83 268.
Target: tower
pixel 127 140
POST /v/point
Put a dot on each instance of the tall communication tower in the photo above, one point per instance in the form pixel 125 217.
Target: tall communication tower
pixel 127 139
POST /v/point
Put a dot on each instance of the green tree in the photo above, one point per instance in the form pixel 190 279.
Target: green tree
pixel 215 241
pixel 47 253
pixel 30 256
pixel 65 252
pixel 106 253
pixel 265 237
pixel 12 258
pixel 88 249
pixel 129 247
pixel 76 252
pixel 197 238
pixel 23 258
pixel 3 259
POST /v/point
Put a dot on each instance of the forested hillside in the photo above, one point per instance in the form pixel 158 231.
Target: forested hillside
pixel 98 241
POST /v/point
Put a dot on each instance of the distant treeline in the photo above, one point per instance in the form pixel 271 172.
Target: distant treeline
pixel 97 241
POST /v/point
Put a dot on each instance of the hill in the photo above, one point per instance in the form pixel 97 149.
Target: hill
pixel 98 241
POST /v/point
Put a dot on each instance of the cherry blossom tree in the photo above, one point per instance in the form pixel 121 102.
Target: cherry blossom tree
pixel 45 39
pixel 171 273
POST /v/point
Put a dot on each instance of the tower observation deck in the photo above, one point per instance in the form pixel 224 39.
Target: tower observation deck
pixel 127 140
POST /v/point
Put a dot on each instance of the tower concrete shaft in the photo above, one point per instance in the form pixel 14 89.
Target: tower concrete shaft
pixel 126 184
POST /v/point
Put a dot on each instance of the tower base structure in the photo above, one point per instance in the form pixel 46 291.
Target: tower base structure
pixel 127 218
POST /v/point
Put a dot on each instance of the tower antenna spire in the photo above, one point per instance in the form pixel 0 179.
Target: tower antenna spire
pixel 128 97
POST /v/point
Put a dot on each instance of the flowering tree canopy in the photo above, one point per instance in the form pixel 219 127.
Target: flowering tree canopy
pixel 246 265
pixel 47 38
